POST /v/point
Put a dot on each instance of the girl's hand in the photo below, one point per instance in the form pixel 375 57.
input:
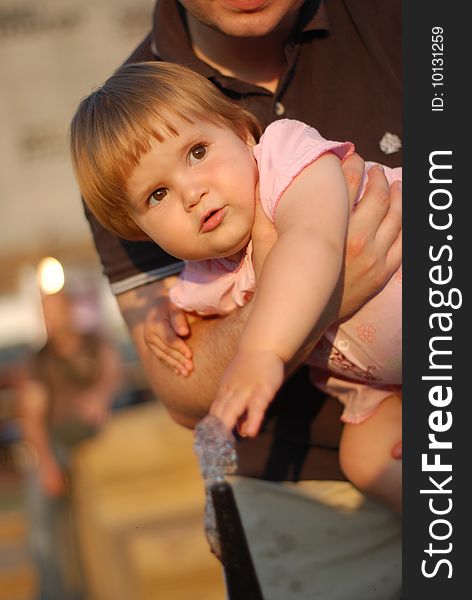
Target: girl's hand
pixel 165 326
pixel 248 386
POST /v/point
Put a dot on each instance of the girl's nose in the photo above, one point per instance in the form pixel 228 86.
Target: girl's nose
pixel 192 195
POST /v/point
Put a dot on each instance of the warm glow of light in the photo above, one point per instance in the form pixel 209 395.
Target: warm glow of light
pixel 50 276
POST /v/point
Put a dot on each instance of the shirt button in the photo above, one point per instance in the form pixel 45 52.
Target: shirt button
pixel 279 109
pixel 390 143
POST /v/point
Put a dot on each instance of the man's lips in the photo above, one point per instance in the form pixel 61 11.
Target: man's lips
pixel 212 219
pixel 246 5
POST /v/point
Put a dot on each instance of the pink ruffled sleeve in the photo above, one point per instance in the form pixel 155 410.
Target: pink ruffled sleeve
pixel 284 150
pixel 215 286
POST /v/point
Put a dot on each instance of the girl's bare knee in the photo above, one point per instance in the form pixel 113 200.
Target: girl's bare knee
pixel 365 455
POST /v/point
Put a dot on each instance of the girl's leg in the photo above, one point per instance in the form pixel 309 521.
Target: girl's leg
pixel 365 454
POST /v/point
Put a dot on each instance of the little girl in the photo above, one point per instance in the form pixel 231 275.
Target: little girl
pixel 160 154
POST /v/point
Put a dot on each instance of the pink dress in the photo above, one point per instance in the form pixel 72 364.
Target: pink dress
pixel 357 361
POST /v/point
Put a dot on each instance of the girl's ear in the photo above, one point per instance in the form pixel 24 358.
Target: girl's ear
pixel 249 139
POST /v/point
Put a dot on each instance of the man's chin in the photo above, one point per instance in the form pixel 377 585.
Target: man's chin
pixel 261 19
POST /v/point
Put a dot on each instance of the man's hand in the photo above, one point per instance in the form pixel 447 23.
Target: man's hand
pixel 374 242
pixel 164 328
pixel 248 386
pixel 213 343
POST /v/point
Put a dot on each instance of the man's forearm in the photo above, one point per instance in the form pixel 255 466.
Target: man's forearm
pixel 213 343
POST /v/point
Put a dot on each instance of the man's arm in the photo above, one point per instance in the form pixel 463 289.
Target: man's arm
pixel 213 343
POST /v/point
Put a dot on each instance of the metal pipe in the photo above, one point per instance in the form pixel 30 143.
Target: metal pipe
pixel 241 577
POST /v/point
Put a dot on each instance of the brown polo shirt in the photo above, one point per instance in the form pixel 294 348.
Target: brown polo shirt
pixel 342 76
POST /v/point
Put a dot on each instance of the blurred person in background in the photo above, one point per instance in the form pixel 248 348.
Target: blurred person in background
pixel 65 399
pixel 11 378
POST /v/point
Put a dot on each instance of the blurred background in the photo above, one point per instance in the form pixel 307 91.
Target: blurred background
pixel 100 495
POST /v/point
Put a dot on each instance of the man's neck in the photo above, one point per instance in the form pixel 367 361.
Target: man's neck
pixel 259 61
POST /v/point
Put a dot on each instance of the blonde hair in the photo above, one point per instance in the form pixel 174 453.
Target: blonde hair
pixel 115 125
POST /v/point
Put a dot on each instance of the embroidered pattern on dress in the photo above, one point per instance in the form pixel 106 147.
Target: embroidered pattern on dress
pixel 339 363
pixel 366 333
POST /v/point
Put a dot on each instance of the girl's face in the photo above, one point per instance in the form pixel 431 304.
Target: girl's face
pixel 194 194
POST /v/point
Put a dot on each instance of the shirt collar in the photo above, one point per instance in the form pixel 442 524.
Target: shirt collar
pixel 313 17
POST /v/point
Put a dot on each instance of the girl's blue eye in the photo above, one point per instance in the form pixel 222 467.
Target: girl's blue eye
pixel 157 196
pixel 197 153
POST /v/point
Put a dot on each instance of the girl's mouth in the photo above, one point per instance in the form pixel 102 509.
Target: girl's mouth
pixel 212 219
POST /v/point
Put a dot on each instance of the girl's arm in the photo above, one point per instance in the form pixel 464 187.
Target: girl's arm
pixel 297 283
pixel 302 268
